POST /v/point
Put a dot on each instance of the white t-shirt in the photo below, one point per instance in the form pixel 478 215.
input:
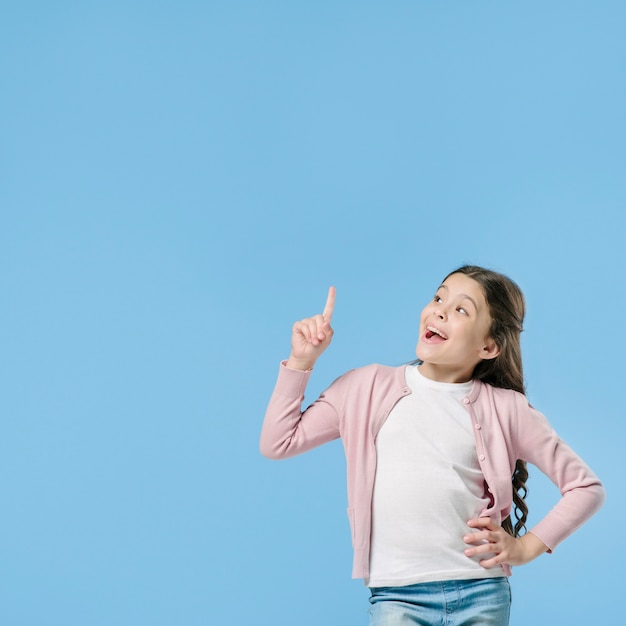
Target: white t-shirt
pixel 428 485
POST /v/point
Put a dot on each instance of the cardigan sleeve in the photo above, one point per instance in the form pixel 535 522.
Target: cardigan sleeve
pixel 582 493
pixel 287 430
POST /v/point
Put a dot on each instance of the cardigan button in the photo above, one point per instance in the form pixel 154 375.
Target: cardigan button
pixel 482 457
pixel 466 400
pixel 477 426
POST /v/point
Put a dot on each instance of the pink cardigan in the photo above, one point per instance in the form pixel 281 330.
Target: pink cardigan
pixel 506 428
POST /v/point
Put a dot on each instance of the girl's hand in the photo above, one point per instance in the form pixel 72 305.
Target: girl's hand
pixel 311 336
pixel 492 539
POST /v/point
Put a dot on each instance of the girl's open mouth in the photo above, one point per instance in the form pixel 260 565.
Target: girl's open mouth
pixel 434 335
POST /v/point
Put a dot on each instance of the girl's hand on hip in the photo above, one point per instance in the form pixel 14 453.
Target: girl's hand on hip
pixel 311 336
pixel 494 540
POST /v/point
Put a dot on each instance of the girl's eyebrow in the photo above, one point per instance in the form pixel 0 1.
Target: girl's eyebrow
pixel 464 295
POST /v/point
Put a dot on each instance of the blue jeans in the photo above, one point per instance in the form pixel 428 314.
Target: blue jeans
pixel 480 602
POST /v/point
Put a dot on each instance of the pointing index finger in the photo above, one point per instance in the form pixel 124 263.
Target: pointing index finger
pixel 330 304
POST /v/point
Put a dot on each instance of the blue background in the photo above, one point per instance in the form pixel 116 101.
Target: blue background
pixel 181 181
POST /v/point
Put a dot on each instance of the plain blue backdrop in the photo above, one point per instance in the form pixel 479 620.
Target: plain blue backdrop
pixel 181 181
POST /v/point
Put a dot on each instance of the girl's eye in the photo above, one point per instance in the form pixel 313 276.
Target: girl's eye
pixel 462 310
pixel 437 299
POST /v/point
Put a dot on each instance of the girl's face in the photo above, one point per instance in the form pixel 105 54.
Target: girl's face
pixel 454 331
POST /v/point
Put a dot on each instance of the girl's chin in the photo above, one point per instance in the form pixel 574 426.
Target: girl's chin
pixel 423 349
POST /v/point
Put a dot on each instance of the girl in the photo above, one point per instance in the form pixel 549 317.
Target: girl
pixel 436 456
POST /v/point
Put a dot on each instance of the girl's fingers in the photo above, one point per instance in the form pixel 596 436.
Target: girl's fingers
pixel 482 522
pixel 479 537
pixel 313 329
pixel 486 548
pixel 322 327
pixel 301 328
pixel 312 335
pixel 488 531
pixel 330 305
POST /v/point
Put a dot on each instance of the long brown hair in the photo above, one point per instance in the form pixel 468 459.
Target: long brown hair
pixel 507 309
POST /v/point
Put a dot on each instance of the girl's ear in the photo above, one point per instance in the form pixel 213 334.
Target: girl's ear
pixel 490 349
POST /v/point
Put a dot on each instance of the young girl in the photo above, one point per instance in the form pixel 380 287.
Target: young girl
pixel 436 456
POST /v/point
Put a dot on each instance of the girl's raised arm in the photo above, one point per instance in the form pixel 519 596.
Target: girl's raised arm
pixel 311 336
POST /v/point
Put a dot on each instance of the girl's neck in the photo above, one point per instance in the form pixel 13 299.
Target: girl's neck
pixel 444 374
